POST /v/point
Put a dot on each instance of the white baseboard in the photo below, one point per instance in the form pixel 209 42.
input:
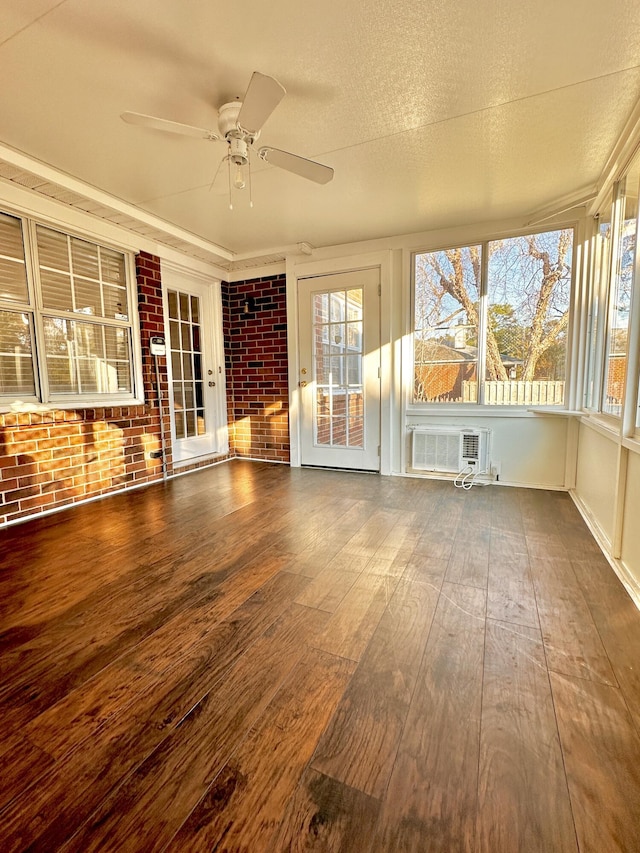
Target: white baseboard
pixel 630 583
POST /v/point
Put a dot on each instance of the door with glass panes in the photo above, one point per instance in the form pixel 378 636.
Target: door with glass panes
pixel 196 381
pixel 339 382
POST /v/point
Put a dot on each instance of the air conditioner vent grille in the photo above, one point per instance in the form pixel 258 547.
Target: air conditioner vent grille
pixel 470 446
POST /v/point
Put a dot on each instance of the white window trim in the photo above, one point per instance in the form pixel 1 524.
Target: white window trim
pixel 70 401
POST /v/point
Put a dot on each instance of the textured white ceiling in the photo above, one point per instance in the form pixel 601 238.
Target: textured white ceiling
pixel 431 114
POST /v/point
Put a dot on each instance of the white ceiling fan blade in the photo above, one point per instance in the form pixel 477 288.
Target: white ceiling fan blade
pixel 261 98
pixel 171 126
pixel 298 165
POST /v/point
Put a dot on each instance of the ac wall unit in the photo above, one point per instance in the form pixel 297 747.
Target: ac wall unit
pixel 449 450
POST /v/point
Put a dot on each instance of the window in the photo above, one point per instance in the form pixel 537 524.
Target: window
pixel 65 317
pixel 623 256
pixel 499 311
pixel 597 299
pixel 611 327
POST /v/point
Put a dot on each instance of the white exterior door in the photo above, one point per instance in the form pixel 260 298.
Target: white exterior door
pixel 195 367
pixel 339 382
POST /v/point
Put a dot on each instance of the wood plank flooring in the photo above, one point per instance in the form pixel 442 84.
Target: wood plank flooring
pixel 254 658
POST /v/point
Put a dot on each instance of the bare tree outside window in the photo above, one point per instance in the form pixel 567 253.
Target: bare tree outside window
pixel 524 343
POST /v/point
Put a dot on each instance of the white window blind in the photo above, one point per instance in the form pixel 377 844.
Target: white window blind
pixel 65 329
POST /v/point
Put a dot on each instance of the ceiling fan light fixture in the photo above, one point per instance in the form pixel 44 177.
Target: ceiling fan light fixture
pixel 238 177
pixel 240 124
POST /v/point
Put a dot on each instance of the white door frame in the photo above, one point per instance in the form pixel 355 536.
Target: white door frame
pixel 176 276
pixel 300 266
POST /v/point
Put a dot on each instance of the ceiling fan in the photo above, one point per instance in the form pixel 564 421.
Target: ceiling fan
pixel 239 124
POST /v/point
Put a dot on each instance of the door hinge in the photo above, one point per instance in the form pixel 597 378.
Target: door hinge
pixel 379 290
pixel 379 448
pixel 379 373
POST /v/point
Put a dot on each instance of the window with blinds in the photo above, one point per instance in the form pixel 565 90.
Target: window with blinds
pixel 65 318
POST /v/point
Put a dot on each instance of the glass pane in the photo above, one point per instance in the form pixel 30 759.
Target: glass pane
pixel 339 432
pixel 354 369
pixel 446 299
pixel 16 362
pixel 354 336
pixel 198 388
pixel 322 370
pixel 529 295
pixel 185 337
pixel 173 304
pixel 89 349
pixel 188 396
pixel 115 302
pixel 115 371
pixel 190 424
pixel 178 396
pixel 337 303
pixel 354 304
pixel 321 308
pixel 89 376
pixel 174 334
pixel 599 287
pixel 355 418
pixel 84 257
pixel 184 306
pixel 53 249
pixel 56 291
pixel 336 371
pixel 176 365
pixel 88 299
pixel 13 276
pixel 323 430
pixel 59 353
pixel 200 422
pixel 195 337
pixel 187 370
pixel 337 337
pixel 180 429
pixel 195 309
pixel 620 304
pixel 112 265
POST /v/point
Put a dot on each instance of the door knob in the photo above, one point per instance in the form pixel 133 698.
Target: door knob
pixel 302 384
pixel 212 384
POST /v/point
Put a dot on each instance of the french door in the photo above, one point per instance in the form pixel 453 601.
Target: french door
pixel 339 382
pixel 195 368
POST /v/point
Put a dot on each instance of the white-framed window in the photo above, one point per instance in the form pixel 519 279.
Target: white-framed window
pixel 67 310
pixel 490 321
pixel 611 321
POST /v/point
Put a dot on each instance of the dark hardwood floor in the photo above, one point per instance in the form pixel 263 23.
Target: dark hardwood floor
pixel 254 658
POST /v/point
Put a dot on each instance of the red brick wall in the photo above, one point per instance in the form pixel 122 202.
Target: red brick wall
pixel 256 364
pixel 57 458
pixel 54 459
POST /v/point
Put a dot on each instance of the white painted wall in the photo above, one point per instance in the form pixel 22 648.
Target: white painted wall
pixel 630 552
pixel 596 477
pixel 608 494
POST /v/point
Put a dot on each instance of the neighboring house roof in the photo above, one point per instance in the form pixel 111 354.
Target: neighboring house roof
pixel 428 351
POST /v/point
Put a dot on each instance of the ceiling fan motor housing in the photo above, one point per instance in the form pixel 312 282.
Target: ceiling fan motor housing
pixel 238 150
pixel 237 137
